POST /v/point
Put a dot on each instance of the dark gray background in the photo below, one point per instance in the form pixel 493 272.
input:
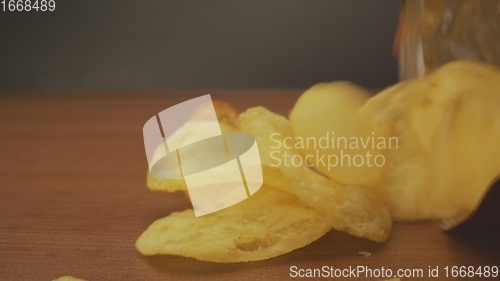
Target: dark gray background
pixel 169 44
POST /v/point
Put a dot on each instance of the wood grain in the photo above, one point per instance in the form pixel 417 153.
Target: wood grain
pixel 73 199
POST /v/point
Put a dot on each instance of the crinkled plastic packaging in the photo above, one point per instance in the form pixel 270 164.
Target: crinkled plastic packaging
pixel 435 32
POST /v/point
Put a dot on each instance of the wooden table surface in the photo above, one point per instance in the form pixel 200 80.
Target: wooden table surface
pixel 73 199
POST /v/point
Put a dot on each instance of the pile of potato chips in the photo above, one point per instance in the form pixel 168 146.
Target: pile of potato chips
pixel 298 204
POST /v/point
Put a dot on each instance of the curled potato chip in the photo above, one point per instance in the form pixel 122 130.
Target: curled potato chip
pixel 269 223
pixel 448 128
pixel 349 208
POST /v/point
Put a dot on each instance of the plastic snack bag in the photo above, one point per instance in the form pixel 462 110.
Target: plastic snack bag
pixel 434 32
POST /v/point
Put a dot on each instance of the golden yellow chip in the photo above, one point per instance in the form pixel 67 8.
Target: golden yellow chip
pixel 226 113
pixel 184 133
pixel 448 129
pixel 269 223
pixel 67 278
pixel 352 209
pixel 325 119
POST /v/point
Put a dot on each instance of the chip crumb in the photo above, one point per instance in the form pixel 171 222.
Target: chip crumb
pixel 365 253
pixel 67 278
pixel 392 279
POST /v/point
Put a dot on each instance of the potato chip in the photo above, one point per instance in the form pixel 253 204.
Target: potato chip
pixel 226 113
pixel 448 129
pixel 329 111
pixel 227 117
pixel 352 209
pixel 67 278
pixel 269 223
